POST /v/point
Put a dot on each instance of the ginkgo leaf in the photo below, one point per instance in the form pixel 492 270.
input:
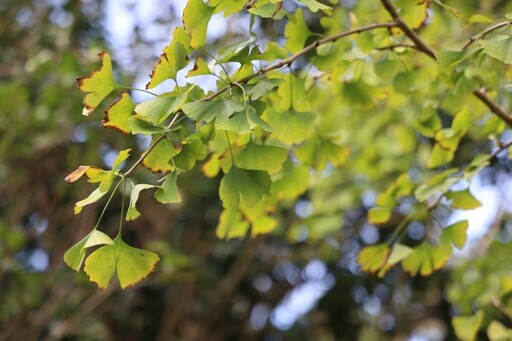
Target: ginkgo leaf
pixel 260 157
pixel 463 200
pixel 229 7
pixel 296 33
pixel 373 258
pixel 168 193
pixel 500 47
pixel 132 212
pixel 77 174
pixel 231 224
pixel 262 87
pixel 250 185
pixel 133 264
pixel 158 109
pixel 100 266
pixel 200 68
pixel 158 159
pixel 466 327
pixel 398 253
pixel 263 225
pixel 138 125
pixel 121 157
pixel 192 150
pixel 439 183
pixel 293 94
pixel 439 157
pixel 293 181
pixel 196 16
pixel 314 6
pixel 173 58
pixel 117 115
pixel 292 126
pixel 427 258
pixel 379 215
pixel 96 195
pixel 99 84
pixel 269 10
pixel 244 122
pixel 75 255
pixel 455 234
pixel 207 111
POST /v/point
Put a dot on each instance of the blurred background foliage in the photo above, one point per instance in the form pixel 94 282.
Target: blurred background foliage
pixel 270 288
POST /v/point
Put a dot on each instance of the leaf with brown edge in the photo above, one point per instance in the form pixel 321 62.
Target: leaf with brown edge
pixel 117 115
pixel 99 84
pixel 196 16
pixel 173 58
pixel 158 159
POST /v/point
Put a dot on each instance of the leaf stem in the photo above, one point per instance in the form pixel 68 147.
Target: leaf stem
pixel 137 89
pixel 107 203
pixel 122 208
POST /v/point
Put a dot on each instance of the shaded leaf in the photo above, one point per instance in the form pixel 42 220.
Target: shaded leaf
pixel 138 125
pixel 168 192
pixel 158 159
pixel 260 157
pixel 209 110
pixel 500 47
pixel 292 126
pixel 96 195
pixel 132 212
pixel 379 215
pixel 192 150
pixel 158 109
pixel 250 185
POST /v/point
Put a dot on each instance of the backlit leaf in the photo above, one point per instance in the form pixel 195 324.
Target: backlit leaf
pixel 463 200
pixel 173 58
pixel 373 258
pixel 138 125
pixel 379 215
pixel 314 6
pixel 158 109
pixel 117 115
pixel 200 68
pixel 192 150
pixel 296 33
pixel 455 234
pixel 92 198
pixel 99 84
pixel 75 255
pixel 262 87
pixel 196 16
pixel 263 225
pixel 427 258
pixel 133 264
pixel 439 183
pixel 100 266
pixel 121 157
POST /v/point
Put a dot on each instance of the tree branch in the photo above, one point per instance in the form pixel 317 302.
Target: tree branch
pixel 482 34
pixel 423 47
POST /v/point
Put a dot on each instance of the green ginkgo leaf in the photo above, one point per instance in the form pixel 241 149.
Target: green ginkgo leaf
pixel 96 195
pixel 117 115
pixel 466 327
pixel 192 150
pixel 455 234
pixel 158 159
pixel 463 200
pixel 207 111
pixel 158 109
pixel 314 6
pixel 260 157
pixel 427 258
pixel 75 255
pixel 292 126
pixel 138 125
pixel 132 212
pixel 168 193
pixel 373 258
pixel 500 47
pixel 121 157
pixel 250 185
pixel 200 69
pixel 131 264
pixel 296 33
pixel 231 224
pixel 196 17
pixel 99 84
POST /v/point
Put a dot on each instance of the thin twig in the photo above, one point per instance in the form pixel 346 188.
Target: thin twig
pixel 423 47
pixel 482 34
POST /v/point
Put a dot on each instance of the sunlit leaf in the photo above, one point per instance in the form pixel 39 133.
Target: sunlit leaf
pixel 427 258
pixel 168 193
pixel 498 332
pixel 200 68
pixel 455 234
pixel 296 33
pixel 463 200
pixel 173 58
pixel 92 198
pixel 379 215
pixel 439 183
pixel 121 157
pixel 314 6
pixel 75 255
pixel 196 16
pixel 99 84
pixel 158 109
pixel 138 125
pixel 117 115
pixel 373 258
pixel 132 212
pixel 262 87
pixel 100 266
pixel 77 174
pixel 133 264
